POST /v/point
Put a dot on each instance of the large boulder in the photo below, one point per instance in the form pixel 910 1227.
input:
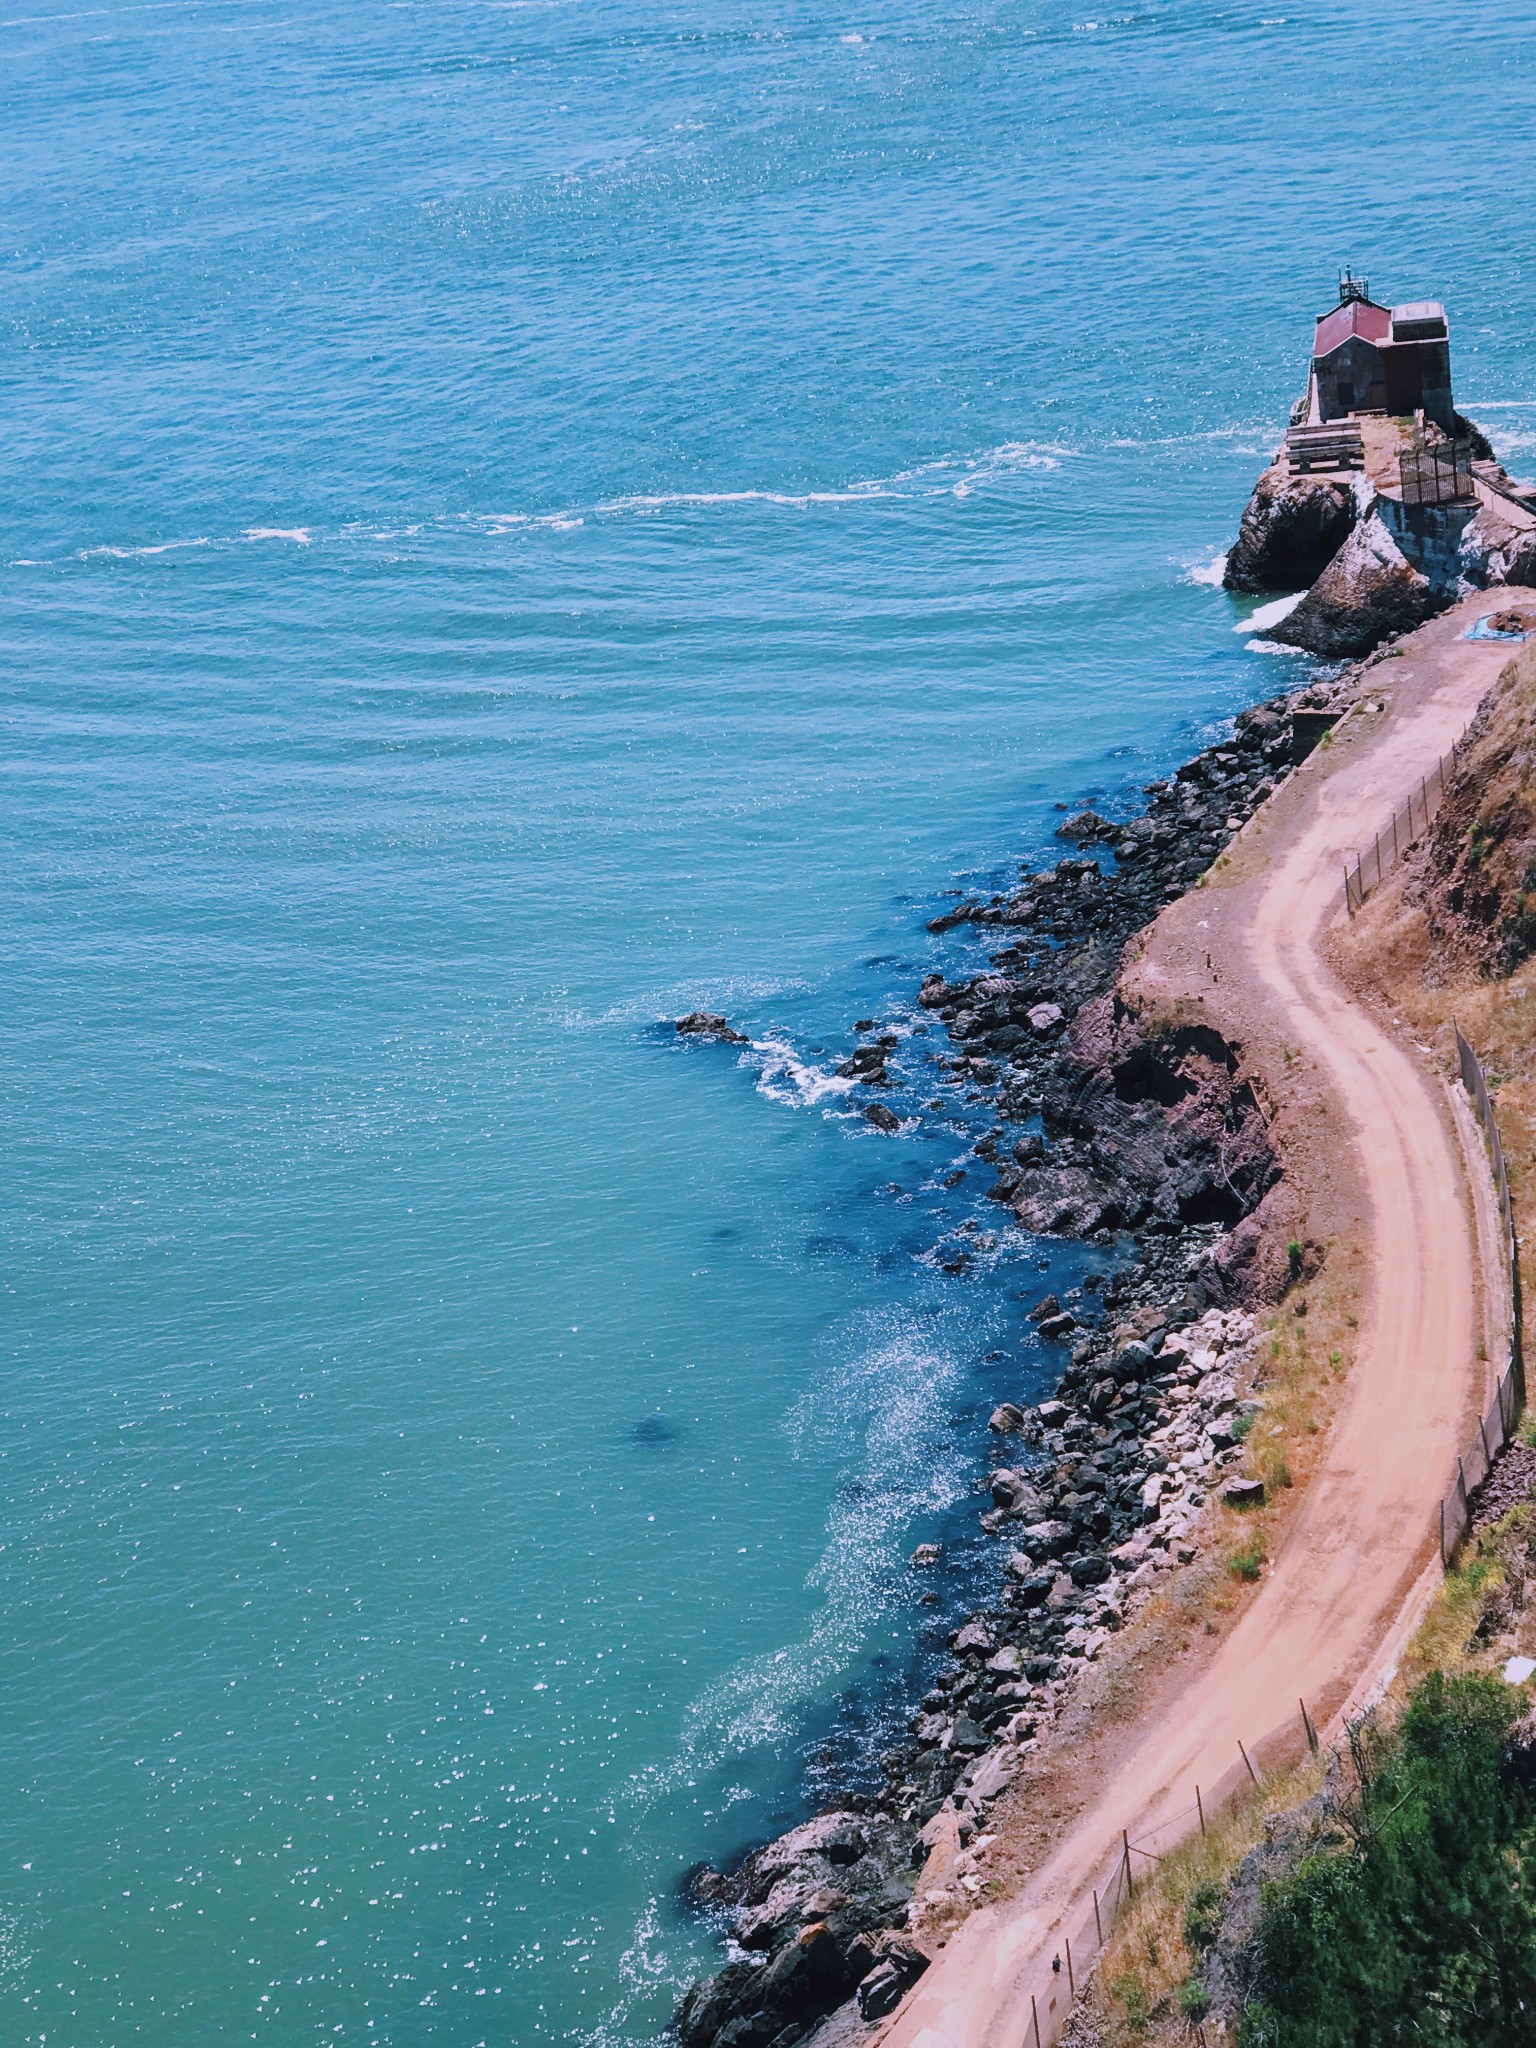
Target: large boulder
pixel 1495 550
pixel 1291 530
pixel 1369 592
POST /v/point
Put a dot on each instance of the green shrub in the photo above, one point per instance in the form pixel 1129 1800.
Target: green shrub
pixel 1202 1918
pixel 1132 1994
pixel 1191 1999
pixel 1421 1925
pixel 1248 1562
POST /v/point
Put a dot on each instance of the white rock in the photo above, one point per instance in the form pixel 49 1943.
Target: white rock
pixel 995 1771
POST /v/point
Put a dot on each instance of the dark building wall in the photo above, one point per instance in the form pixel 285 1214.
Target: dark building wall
pixel 1435 383
pixel 1360 377
pixel 1351 378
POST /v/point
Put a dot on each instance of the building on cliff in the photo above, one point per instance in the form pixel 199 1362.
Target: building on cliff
pixel 1389 359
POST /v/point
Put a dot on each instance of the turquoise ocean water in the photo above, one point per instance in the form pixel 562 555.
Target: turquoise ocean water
pixel 520 520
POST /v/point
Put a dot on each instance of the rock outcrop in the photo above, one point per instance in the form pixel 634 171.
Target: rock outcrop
pixel 1292 528
pixel 817 1920
pixel 1369 592
pixel 707 1024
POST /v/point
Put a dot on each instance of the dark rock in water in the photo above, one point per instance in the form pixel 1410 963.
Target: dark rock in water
pixel 655 1429
pixel 706 1024
pixel 1005 1417
pixel 1368 593
pixel 882 1118
pixel 1087 828
pixel 1291 530
pixel 925 1556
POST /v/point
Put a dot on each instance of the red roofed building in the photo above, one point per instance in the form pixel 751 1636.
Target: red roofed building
pixel 1391 359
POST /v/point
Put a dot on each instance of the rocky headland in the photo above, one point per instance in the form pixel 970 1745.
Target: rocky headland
pixel 1370 561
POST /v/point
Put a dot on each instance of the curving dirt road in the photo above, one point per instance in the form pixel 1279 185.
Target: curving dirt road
pixel 1322 1623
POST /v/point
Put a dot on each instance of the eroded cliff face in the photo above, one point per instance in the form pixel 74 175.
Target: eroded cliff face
pixel 1292 527
pixel 1476 880
pixel 1495 549
pixel 1146 1126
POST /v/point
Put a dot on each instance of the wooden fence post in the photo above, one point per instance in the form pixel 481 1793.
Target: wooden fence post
pixel 1306 1722
pixel 1071 1980
pixel 1130 1875
pixel 1098 1924
pixel 1200 1809
pixel 1251 1771
pixel 1036 2011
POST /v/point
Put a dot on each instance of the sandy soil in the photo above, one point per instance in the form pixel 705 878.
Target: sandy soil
pixel 1372 1147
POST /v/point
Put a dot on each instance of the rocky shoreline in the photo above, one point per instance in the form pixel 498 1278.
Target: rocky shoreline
pixel 1110 1129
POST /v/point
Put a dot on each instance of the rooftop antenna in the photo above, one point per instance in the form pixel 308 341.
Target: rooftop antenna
pixel 1352 287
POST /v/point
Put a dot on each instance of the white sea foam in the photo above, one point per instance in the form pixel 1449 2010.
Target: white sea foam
pixel 1272 647
pixel 165 547
pixel 1270 614
pixel 891 1398
pixel 785 1077
pixel 298 534
pixel 945 476
pixel 1207 573
pixel 645 1965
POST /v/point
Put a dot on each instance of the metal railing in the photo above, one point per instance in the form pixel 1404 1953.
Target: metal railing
pixel 1497 1427
pixel 1409 823
pixel 1437 473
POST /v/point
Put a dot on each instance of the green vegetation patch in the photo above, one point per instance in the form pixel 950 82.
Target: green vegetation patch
pixel 1418 1921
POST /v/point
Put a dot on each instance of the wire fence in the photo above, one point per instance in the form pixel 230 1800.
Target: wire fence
pixel 1131 1866
pixel 1495 1429
pixel 1437 473
pixel 1409 823
pixel 1134 1864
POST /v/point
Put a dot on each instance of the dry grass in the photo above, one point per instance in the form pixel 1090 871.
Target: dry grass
pixel 1474 1594
pixel 1302 1365
pixel 1147 1957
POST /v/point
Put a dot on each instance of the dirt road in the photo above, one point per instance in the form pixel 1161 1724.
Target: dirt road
pixel 1320 1625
